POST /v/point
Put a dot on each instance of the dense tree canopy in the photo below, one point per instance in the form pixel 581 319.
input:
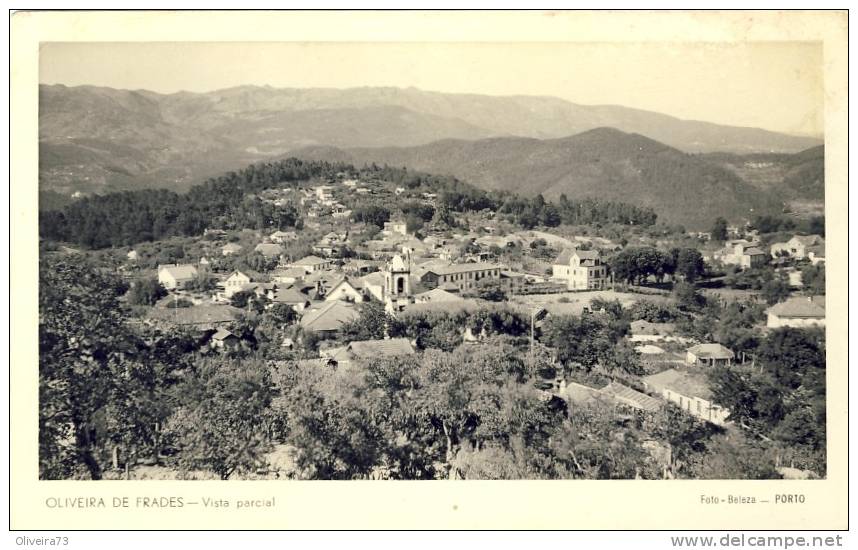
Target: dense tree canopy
pixel 232 201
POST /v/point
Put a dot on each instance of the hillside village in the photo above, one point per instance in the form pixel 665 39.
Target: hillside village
pixel 629 350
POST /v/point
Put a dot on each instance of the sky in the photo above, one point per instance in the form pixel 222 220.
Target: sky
pixel 773 85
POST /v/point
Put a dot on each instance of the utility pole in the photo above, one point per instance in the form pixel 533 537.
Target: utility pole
pixel 532 316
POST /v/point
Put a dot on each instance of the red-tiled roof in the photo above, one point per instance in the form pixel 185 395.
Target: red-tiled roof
pixel 179 272
pixel 801 307
pixel 682 382
pixel 311 261
pixel 711 351
pixel 329 316
pixel 269 249
pixel 290 296
pixel 631 397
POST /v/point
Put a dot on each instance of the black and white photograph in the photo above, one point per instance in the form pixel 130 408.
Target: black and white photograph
pixel 411 261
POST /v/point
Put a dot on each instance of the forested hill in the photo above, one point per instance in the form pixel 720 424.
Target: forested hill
pixel 799 176
pixel 231 201
pixel 603 163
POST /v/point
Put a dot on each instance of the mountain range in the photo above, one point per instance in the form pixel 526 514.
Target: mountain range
pixel 96 140
pixel 683 188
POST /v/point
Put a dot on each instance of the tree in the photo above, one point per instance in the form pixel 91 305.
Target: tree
pixel 813 278
pixel 222 420
pixel 413 224
pixel 146 292
pixel 280 315
pixel 586 340
pixel 775 290
pixel 634 265
pixel 689 263
pixel 373 323
pixel 719 230
pixel 203 281
pixel 653 312
pixel 687 297
pixel 733 456
pixel 89 363
pixel 589 446
pixel 371 214
pixel 247 299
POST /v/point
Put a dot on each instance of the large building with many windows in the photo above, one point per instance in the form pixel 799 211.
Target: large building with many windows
pixel 580 270
pixel 460 276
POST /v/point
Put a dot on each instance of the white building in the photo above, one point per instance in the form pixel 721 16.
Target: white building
pixel 230 248
pixel 797 312
pixel 799 247
pixel 395 227
pixel 743 254
pixel 172 276
pixel 580 270
pixel 689 391
pixel 235 283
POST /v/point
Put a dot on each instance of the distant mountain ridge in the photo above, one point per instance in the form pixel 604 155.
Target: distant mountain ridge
pixel 602 163
pixel 95 140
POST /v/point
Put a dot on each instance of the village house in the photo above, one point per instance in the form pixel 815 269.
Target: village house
pixel 330 244
pixel 614 393
pixel 798 247
pixel 281 237
pixel 631 397
pixel 580 270
pixel 436 295
pixel 176 276
pixel 449 252
pixel 329 317
pixel 344 356
pixel 288 275
pixel 816 253
pixel 690 391
pixel 373 285
pixel 413 247
pixel 324 194
pixel 743 254
pixel 236 282
pixel 292 297
pixel 797 312
pixel 132 255
pixel 313 263
pixel 395 227
pixel 230 248
pixel 462 276
pixel 345 290
pixel 508 241
pixel 322 281
pixel 361 267
pixel 649 350
pixel 340 211
pixel 512 281
pixel 269 250
pixel 646 331
pixel 224 340
pixel 713 355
